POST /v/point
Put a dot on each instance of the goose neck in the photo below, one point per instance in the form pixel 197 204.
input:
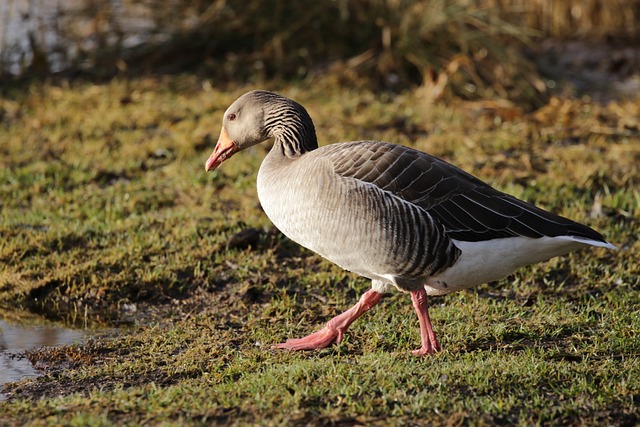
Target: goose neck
pixel 293 131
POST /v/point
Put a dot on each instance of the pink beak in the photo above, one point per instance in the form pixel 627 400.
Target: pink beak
pixel 225 148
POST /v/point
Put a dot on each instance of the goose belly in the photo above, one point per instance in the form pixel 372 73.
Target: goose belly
pixel 487 261
pixel 323 227
pixel 353 228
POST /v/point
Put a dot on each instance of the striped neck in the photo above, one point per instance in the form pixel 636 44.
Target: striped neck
pixel 291 127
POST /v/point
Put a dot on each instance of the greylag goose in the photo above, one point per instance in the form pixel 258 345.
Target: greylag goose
pixel 398 216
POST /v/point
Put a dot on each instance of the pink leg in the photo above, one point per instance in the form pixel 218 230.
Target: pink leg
pixel 428 338
pixel 334 329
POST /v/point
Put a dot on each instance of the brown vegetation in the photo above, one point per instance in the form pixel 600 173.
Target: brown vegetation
pixel 472 47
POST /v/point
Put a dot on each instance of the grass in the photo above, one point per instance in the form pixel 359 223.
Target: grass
pixel 108 218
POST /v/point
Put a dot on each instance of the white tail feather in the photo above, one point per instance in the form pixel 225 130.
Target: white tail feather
pixel 486 261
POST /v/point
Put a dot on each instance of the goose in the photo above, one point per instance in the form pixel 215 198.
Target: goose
pixel 400 217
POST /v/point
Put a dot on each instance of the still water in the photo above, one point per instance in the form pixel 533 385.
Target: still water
pixel 15 338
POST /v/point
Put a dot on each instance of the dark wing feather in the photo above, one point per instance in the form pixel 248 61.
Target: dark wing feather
pixel 469 209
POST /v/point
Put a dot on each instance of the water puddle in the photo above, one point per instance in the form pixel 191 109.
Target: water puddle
pixel 15 338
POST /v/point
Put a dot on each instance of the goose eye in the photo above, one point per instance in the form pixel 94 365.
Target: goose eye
pixel 231 117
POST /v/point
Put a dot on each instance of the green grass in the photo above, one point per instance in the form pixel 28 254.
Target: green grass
pixel 105 205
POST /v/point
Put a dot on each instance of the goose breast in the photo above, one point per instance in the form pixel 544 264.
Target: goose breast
pixel 352 222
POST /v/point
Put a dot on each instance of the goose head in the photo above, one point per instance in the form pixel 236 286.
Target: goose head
pixel 260 115
pixel 242 127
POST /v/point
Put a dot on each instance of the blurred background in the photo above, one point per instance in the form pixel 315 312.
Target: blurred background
pixel 109 110
pixel 516 49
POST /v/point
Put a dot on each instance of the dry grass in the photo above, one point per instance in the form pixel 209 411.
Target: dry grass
pixel 473 48
pixel 575 18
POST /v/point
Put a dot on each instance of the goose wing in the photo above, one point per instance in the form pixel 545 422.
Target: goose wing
pixel 467 208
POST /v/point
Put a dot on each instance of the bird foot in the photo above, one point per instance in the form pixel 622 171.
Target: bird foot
pixel 317 340
pixel 423 351
pixel 335 328
pixel 428 338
